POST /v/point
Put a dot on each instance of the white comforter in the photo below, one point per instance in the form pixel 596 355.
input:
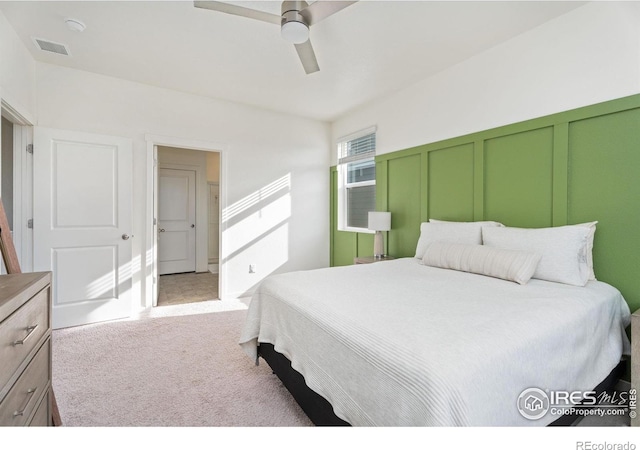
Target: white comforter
pixel 398 343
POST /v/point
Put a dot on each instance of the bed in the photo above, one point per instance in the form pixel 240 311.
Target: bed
pixel 402 343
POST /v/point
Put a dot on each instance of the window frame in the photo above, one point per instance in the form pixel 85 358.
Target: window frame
pixel 344 185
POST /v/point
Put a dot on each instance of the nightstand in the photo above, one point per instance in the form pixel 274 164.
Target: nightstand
pixel 370 259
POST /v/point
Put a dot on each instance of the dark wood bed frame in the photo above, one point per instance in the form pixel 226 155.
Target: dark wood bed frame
pixel 320 411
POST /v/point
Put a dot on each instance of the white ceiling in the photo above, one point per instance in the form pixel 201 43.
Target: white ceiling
pixel 366 51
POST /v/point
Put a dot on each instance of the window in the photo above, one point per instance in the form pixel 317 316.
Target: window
pixel 356 180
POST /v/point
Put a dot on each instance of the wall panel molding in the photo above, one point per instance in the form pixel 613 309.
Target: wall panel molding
pixel 560 173
pixel 570 167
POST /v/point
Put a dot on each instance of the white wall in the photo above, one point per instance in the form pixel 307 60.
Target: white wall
pixel 17 91
pixel 275 178
pixel 17 72
pixel 589 55
pixel 278 227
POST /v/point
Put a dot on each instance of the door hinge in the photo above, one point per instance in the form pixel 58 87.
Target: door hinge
pixel 30 148
pixel 30 223
pixel 154 280
pixel 155 221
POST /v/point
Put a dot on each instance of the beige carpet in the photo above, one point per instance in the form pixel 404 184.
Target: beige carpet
pixel 176 366
pixel 169 371
pixel 183 288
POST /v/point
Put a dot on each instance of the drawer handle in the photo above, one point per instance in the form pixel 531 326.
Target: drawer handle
pixel 30 393
pixel 30 331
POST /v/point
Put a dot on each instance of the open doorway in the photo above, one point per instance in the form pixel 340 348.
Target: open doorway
pixel 6 176
pixel 188 217
pixel 16 178
pixel 6 166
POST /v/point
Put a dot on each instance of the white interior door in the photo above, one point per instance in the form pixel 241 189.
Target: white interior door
pixel 176 221
pixel 82 223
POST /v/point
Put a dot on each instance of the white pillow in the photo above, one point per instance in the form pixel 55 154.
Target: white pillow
pixel 457 232
pixel 487 223
pixel 563 250
pixel 510 265
pixel 589 249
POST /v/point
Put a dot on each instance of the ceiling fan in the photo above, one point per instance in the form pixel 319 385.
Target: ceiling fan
pixel 294 21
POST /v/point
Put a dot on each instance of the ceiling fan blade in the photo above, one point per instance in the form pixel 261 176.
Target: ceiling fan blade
pixel 238 11
pixel 307 57
pixel 320 10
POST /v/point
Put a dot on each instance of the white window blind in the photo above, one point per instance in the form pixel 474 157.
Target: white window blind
pixel 356 149
pixel 357 171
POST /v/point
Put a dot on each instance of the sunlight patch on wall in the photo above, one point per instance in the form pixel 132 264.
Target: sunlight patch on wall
pixel 256 234
pixel 255 215
pixel 257 197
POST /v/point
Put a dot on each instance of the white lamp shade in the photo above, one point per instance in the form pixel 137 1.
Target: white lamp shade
pixel 379 221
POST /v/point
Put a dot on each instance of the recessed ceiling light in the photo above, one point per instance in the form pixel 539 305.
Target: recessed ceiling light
pixel 75 25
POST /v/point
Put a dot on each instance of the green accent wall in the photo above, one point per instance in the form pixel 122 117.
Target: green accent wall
pixel 604 185
pixel 518 171
pixel 576 166
pixel 450 189
pixel 404 201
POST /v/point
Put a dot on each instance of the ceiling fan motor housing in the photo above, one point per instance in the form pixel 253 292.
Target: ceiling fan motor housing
pixel 295 19
pixel 293 26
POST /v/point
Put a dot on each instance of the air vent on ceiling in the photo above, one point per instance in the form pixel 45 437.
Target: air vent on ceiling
pixel 53 47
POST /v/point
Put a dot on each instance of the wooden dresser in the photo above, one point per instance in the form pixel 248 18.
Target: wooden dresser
pixel 25 349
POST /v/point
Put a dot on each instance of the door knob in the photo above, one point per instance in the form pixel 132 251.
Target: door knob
pixel 125 237
pixel 193 225
pixel 161 230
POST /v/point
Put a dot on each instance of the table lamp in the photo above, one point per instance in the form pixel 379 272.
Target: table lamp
pixel 379 221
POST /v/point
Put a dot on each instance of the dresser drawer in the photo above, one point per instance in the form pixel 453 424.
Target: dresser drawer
pixel 21 332
pixel 22 399
pixel 42 417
